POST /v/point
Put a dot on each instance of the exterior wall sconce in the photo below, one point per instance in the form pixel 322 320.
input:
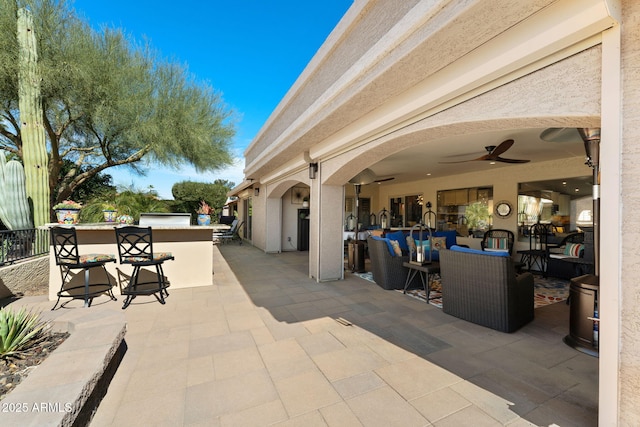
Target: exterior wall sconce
pixel 313 169
pixel 256 191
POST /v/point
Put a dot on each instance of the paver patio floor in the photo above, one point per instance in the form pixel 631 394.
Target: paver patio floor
pixel 262 346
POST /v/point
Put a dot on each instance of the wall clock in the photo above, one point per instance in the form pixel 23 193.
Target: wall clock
pixel 503 209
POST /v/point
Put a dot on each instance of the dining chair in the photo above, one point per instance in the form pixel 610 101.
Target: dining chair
pixel 135 247
pixel 498 240
pixel 537 254
pixel 68 259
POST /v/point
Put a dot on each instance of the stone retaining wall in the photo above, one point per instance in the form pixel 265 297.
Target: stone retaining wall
pixel 25 278
pixel 67 387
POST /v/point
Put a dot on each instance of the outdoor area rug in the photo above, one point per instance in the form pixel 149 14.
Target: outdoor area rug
pixel 546 291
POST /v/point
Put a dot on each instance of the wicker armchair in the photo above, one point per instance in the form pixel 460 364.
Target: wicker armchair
pixel 484 289
pixel 387 270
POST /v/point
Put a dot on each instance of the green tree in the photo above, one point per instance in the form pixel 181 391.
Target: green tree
pixel 477 214
pixel 108 101
pixel 188 194
pixel 98 186
pixel 128 201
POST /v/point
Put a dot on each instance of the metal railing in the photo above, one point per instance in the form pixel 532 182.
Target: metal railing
pixel 17 245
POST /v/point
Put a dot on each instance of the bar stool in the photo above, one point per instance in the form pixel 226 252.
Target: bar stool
pixel 65 247
pixel 135 247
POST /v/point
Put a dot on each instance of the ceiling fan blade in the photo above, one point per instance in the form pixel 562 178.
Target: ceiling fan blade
pixel 460 161
pixel 495 153
pixel 485 157
pixel 503 160
pixel 384 179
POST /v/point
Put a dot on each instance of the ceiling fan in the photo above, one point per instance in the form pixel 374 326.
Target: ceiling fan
pixel 493 154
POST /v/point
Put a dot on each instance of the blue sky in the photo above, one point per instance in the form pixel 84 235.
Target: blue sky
pixel 251 51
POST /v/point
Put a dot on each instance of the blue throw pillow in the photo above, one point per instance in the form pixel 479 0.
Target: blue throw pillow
pixel 456 248
pixel 389 246
pixel 400 237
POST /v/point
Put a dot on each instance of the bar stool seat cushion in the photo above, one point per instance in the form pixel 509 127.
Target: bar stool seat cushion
pixel 157 256
pixel 91 258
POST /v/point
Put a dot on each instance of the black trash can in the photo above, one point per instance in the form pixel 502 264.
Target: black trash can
pixel 583 330
pixel 356 256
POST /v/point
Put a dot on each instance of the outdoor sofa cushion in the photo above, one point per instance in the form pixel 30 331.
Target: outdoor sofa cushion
pixel 400 238
pixel 387 242
pixel 457 248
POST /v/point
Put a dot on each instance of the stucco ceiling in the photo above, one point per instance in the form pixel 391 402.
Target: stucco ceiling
pixel 420 162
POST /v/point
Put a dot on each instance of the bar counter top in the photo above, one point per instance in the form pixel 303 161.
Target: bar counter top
pixel 191 245
pixel 111 225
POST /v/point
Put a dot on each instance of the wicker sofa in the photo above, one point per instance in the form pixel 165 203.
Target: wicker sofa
pixel 483 288
pixel 388 271
pixel 564 263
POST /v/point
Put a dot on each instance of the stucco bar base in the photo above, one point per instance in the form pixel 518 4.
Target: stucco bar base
pixel 192 247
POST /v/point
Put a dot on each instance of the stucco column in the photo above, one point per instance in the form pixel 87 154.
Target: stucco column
pixel 326 247
pixel 258 218
pixel 273 225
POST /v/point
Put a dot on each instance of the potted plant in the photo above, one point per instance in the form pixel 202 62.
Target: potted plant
pixel 67 212
pixel 204 212
pixel 110 212
pixel 305 202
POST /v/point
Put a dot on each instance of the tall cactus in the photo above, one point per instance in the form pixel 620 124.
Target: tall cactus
pixel 34 149
pixel 14 207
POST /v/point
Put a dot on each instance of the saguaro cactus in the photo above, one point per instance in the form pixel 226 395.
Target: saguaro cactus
pixel 34 149
pixel 14 208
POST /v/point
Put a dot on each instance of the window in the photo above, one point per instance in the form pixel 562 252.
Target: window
pixel 465 210
pixel 565 203
pixel 405 211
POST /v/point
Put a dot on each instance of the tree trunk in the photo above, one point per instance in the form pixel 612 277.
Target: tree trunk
pixel 34 149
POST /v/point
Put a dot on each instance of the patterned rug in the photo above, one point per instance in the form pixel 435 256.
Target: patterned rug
pixel 546 290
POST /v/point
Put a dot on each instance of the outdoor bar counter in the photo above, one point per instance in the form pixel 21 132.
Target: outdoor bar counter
pixel 192 247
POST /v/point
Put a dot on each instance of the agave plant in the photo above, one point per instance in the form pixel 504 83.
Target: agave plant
pixel 19 331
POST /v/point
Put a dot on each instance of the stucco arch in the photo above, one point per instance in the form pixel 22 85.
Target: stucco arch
pixel 273 210
pixel 277 190
pixel 544 98
pixel 339 169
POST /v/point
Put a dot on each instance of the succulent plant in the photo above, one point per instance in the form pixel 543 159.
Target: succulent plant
pixel 19 331
pixel 14 207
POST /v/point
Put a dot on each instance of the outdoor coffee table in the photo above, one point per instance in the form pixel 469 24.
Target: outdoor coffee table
pixel 424 270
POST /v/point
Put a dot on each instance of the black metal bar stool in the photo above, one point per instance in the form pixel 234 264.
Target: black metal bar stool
pixel 135 247
pixel 65 247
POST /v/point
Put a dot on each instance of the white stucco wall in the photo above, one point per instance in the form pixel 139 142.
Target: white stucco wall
pixel 464 67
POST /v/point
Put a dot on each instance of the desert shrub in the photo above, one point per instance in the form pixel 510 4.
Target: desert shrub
pixel 19 331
